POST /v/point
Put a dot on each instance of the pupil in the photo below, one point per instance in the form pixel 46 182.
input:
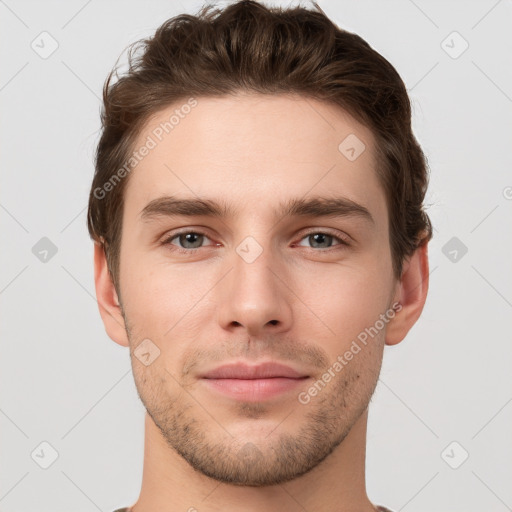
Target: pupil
pixel 319 237
pixel 189 238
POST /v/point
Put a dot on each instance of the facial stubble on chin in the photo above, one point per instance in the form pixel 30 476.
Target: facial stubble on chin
pixel 190 429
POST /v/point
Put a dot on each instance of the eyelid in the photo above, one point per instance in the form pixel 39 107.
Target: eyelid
pixel 343 237
pixel 166 239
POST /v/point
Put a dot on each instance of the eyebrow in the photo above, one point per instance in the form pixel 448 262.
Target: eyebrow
pixel 170 206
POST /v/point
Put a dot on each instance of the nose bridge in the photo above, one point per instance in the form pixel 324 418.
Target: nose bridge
pixel 253 265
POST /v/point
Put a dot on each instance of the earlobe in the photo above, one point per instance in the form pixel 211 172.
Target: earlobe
pixel 108 301
pixel 411 293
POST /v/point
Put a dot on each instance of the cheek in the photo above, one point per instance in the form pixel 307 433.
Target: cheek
pixel 347 298
pixel 162 299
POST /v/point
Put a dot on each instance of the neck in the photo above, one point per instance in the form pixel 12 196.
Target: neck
pixel 170 484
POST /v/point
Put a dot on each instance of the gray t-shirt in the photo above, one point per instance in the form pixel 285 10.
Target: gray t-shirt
pixel 380 508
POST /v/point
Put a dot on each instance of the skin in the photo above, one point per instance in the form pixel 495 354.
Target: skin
pixel 302 302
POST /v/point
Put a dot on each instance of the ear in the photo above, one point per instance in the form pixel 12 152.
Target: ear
pixel 411 293
pixel 108 302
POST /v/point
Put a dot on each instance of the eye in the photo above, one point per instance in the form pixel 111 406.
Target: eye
pixel 323 240
pixel 188 240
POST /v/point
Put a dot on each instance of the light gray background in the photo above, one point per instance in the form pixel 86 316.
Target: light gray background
pixel 64 382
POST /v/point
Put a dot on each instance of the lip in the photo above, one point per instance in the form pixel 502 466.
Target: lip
pixel 261 371
pixel 253 383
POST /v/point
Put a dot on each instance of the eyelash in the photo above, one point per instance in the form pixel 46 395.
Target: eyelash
pixel 167 241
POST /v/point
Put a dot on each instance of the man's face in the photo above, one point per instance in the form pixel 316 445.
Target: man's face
pixel 256 285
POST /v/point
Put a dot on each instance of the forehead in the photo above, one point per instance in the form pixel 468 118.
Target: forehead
pixel 253 152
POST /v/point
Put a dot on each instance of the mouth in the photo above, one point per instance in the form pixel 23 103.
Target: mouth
pixel 253 383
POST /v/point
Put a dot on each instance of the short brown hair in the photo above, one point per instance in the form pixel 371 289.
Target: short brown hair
pixel 250 47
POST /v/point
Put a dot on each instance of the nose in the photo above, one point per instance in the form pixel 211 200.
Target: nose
pixel 255 295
